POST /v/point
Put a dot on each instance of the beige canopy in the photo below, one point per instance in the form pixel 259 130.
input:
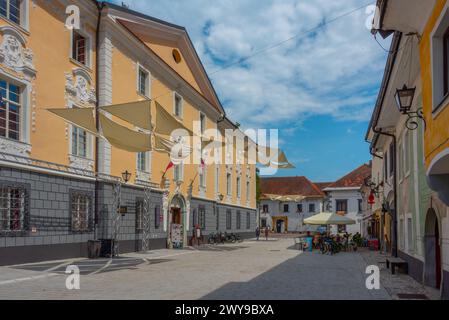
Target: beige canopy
pixel 80 117
pixel 284 198
pixel 123 138
pixel 135 113
pixel 138 114
pixel 166 123
pixel 328 218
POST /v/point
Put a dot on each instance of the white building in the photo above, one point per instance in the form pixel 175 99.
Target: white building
pixel 344 198
pixel 287 201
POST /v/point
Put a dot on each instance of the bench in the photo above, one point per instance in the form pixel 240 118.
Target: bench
pixel 397 262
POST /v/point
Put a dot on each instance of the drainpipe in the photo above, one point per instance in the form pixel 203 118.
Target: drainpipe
pixel 100 6
pixel 395 180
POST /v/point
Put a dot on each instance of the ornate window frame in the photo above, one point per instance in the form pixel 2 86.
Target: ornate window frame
pixel 17 66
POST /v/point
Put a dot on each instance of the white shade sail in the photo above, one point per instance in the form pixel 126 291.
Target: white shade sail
pixel 328 218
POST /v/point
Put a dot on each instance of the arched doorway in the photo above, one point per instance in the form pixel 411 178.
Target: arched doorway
pixel 177 221
pixel 432 270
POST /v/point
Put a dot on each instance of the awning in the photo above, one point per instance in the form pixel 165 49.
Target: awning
pixel 284 198
pixel 136 113
pixel 166 124
pixel 328 218
pixel 124 138
pixel 80 117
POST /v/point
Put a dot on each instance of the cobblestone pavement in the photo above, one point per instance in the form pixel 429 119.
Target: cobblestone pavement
pixel 266 270
pixel 398 283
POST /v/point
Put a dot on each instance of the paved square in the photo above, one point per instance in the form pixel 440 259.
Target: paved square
pixel 269 270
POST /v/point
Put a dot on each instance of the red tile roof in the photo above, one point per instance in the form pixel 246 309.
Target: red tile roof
pixel 322 185
pixel 284 186
pixel 354 179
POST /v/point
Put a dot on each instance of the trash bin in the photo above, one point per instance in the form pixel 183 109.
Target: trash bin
pixel 93 249
pixel 107 247
pixel 309 241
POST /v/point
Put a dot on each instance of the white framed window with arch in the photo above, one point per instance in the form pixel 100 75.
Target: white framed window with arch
pixel 81 145
pixel 15 124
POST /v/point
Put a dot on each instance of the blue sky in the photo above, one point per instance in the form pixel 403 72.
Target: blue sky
pixel 318 89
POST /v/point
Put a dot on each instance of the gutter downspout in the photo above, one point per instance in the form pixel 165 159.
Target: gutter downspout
pixel 100 7
pixel 395 183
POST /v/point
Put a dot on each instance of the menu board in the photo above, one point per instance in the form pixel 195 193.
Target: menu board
pixel 177 235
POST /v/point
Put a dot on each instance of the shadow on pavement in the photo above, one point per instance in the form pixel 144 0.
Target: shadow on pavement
pixel 90 266
pixel 306 276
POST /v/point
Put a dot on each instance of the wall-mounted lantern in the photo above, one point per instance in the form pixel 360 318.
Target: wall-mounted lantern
pixel 404 100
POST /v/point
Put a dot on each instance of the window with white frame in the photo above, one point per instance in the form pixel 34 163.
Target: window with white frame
pixel 12 208
pixel 202 123
pixel 11 10
pixel 406 150
pixel 202 176
pixel 178 104
pixel 178 172
pixel 312 208
pixel 80 48
pixel 79 142
pixel 440 60
pixel 10 110
pixel 80 212
pixel 402 160
pixel 228 184
pixel 248 189
pixel 238 187
pixel 217 179
pixel 143 81
pixel 142 162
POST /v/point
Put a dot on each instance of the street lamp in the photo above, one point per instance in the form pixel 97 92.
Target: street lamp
pixel 126 176
pixel 404 100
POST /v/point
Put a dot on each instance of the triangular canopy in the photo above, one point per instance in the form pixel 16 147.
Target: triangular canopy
pixel 124 138
pixel 80 117
pixel 166 123
pixel 137 113
pixel 328 218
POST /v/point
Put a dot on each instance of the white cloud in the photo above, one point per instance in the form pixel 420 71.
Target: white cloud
pixel 334 71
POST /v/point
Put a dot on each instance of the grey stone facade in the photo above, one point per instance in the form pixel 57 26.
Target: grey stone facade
pixel 217 213
pixel 48 231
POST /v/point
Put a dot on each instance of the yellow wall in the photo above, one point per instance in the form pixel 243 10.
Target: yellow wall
pixel 50 42
pixel 125 89
pixel 165 51
pixel 437 131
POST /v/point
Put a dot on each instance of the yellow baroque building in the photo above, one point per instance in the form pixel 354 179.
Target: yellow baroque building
pixel 62 188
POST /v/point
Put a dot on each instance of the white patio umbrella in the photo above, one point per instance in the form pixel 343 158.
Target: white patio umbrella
pixel 328 218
